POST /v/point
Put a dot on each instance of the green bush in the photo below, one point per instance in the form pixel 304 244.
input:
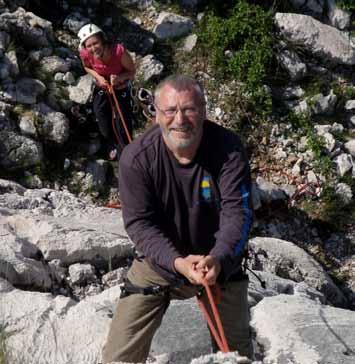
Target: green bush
pixel 346 5
pixel 239 45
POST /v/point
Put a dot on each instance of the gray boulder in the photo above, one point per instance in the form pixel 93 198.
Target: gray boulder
pixel 149 67
pixel 324 41
pixel 19 152
pixel 10 186
pixel 27 124
pixel 344 164
pixel 52 125
pixel 269 191
pixel 275 285
pixel 344 192
pixel 74 21
pixel 28 90
pixel 20 261
pixel 293 65
pixel 54 64
pixel 350 147
pixel 177 337
pixel 288 261
pixel 47 329
pixel 324 105
pixel 81 92
pixel 296 330
pixel 31 29
pixel 338 18
pixel 70 233
pixel 171 25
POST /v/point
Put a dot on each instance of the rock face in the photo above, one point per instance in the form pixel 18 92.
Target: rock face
pixel 33 30
pixel 299 331
pixel 171 25
pixel 18 152
pixel 289 261
pixel 56 329
pixel 322 40
pixel 52 125
pixel 177 337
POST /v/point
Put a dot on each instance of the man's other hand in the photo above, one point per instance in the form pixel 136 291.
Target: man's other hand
pixel 210 267
pixel 187 267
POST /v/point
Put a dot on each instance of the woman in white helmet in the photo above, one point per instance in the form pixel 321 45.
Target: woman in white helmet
pixel 108 64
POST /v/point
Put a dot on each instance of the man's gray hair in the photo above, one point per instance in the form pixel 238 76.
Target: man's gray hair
pixel 181 83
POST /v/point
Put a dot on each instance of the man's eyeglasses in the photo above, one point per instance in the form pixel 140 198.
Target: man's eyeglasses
pixel 171 113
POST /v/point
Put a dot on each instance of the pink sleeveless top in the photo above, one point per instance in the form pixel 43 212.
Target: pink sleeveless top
pixel 113 67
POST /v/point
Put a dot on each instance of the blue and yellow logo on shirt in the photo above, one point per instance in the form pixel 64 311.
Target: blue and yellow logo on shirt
pixel 205 188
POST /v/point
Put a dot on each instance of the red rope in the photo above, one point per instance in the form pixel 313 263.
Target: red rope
pixel 113 120
pixel 113 94
pixel 217 332
pixel 114 205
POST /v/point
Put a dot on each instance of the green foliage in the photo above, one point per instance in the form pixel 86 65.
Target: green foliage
pixel 238 43
pixel 315 142
pixel 346 5
pixel 336 212
pixel 4 353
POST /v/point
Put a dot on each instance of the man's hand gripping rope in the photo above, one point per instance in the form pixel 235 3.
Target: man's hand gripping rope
pixel 204 270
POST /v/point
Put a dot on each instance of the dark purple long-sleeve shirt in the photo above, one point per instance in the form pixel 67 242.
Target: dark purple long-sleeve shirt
pixel 173 210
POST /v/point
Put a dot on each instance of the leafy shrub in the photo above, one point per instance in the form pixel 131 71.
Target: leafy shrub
pixel 238 43
pixel 346 5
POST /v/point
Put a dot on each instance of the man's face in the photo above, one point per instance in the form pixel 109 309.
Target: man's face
pixel 180 115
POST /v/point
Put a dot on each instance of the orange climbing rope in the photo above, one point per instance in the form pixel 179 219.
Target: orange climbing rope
pixel 111 93
pixel 217 332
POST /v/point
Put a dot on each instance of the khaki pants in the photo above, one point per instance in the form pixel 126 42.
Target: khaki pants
pixel 138 316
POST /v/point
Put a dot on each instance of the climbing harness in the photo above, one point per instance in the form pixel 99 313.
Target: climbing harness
pixel 217 332
pixel 128 288
pixel 157 290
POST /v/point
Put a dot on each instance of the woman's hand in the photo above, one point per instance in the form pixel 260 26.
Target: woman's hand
pixel 101 81
pixel 117 80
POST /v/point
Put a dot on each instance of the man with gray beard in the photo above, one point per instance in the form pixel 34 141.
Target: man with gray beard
pixel 185 191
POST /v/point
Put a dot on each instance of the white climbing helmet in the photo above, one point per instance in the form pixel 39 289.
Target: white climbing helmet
pixel 86 32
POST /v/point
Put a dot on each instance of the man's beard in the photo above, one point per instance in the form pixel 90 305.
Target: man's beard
pixel 181 143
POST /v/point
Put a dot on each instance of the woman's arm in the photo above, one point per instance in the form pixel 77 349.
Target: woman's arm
pixel 101 81
pixel 129 70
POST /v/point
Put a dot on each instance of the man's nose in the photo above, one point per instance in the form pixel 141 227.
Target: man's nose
pixel 179 117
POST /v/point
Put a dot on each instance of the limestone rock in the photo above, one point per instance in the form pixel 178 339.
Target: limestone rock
pixel 31 29
pixel 344 163
pixel 299 331
pixel 288 261
pixel 54 64
pixel 293 65
pixel 324 105
pixel 53 125
pixel 344 191
pixel 20 261
pixel 171 25
pixel 350 147
pixel 28 90
pixel 149 68
pixel 322 40
pixel 338 18
pixel 269 191
pixel 82 91
pixel 18 152
pixel 47 329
